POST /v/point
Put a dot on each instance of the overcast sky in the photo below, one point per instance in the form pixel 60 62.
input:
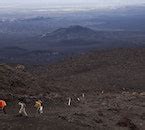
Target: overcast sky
pixel 111 2
pixel 98 3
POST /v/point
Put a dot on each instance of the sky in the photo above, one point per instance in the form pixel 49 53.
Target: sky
pixel 74 1
pixel 80 3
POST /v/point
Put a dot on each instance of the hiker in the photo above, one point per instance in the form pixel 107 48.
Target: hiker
pixel 22 111
pixel 39 106
pixel 3 105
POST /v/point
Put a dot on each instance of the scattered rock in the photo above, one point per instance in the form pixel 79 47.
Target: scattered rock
pixel 80 114
pixel 115 110
pixel 125 93
pixel 125 122
pixel 100 113
pixel 20 67
pixel 135 94
pixel 98 120
pixel 62 117
pixel 143 116
pixel 142 94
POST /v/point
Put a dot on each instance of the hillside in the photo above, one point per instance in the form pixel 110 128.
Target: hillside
pixel 101 70
pixel 109 70
pixel 17 55
pixel 112 82
pixel 16 82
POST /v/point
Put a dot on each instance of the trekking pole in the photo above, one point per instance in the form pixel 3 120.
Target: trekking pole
pixel 83 95
pixel 69 101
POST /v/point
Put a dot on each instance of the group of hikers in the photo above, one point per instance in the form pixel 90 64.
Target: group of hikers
pixel 22 112
pixel 38 105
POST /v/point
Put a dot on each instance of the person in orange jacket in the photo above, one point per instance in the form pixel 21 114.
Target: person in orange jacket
pixel 3 105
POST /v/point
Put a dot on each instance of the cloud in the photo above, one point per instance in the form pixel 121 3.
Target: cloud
pixel 94 3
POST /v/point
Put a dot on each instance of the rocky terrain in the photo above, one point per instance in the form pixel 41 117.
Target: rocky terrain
pixel 101 70
pixel 112 82
pixel 102 111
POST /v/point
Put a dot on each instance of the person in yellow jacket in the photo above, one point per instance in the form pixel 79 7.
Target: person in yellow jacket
pixel 3 105
pixel 39 106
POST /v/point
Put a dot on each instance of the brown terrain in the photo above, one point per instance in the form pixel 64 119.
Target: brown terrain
pixel 111 80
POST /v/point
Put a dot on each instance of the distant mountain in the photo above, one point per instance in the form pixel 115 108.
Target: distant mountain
pixel 73 39
pixel 62 42
pixel 85 37
pixel 72 34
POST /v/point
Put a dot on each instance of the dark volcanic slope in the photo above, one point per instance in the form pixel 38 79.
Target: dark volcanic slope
pixel 16 82
pixel 101 70
pixel 110 70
